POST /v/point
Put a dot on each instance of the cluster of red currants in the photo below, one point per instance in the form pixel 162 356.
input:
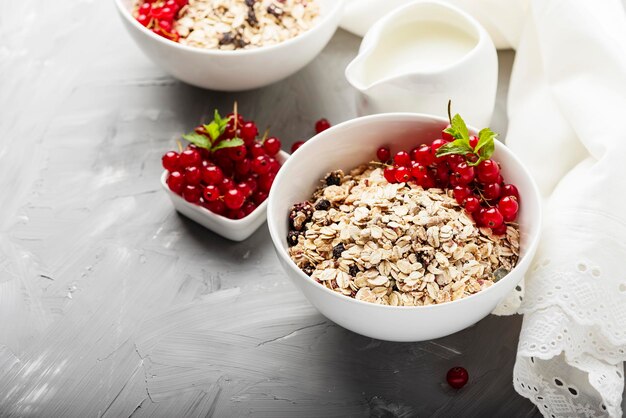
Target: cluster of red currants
pixel 159 16
pixel 320 126
pixel 231 179
pixel 477 184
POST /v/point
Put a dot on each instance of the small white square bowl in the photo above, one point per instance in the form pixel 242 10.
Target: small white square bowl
pixel 233 229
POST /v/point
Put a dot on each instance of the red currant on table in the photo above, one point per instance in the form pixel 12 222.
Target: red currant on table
pixel 488 171
pixel 211 193
pixel 402 158
pixel 296 145
pixel 508 207
pixel 457 377
pixel 321 125
pixel 176 182
pixel 170 161
pixel 234 199
pixel 272 146
pixel 383 154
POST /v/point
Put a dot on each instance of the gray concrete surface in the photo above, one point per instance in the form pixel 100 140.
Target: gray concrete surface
pixel 113 305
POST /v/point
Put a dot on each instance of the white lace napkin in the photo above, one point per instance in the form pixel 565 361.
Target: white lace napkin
pixel 567 111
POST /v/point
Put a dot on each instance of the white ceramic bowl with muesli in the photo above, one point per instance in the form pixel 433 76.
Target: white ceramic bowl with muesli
pixel 197 63
pixel 412 265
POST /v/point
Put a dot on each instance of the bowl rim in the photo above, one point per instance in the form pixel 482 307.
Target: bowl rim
pixel 283 156
pixel 282 253
pixel 335 9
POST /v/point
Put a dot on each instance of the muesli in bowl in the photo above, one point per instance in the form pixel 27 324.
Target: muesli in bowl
pixel 428 226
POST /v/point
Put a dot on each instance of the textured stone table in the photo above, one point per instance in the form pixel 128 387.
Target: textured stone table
pixel 113 305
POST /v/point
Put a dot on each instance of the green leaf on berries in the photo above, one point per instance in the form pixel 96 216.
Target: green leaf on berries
pixel 217 126
pixel 200 140
pixel 486 144
pixel 458 128
pixel 459 146
pixel 227 143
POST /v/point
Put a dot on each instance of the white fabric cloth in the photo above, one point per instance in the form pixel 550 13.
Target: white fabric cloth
pixel 567 106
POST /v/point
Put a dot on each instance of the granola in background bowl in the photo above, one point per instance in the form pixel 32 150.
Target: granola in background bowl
pixel 395 243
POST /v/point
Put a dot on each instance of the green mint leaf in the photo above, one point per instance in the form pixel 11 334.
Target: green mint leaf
pixel 198 139
pixel 458 128
pixel 459 146
pixel 221 122
pixel 227 143
pixel 216 128
pixel 486 144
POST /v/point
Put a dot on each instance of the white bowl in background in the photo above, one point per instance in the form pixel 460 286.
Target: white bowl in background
pixel 233 229
pixel 234 70
pixel 354 142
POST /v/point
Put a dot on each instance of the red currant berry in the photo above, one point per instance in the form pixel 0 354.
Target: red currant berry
pixel 390 174
pixel 492 217
pixel 217 207
pixel 457 377
pixel 424 155
pixel 472 204
pixel 274 165
pixel 192 193
pixel 231 119
pixel 260 165
pixel 454 160
pixel 165 25
pixel 145 8
pixel 500 230
pixel 428 181
pixel 212 174
pixel 182 3
pixel 508 207
pixel 259 197
pixel 252 184
pixel 245 189
pixel 225 185
pixel 265 182
pixel 418 171
pixel 170 161
pixel 204 153
pixel 172 4
pixel 460 193
pixel 233 199
pixel 442 175
pixel 272 146
pixel 176 182
pixel 402 159
pixel 437 143
pixel 383 154
pixel 144 19
pixel 463 173
pixel 403 174
pixel 192 176
pixel 473 141
pixel 237 153
pixel 491 191
pixel 248 132
pixel 488 171
pixel 256 149
pixel 296 145
pixel 211 193
pixel 446 136
pixel 510 190
pixel 236 214
pixel 190 158
pixel 321 125
pixel 248 208
pixel 242 168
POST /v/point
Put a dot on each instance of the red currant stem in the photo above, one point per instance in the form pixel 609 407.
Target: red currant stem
pixel 450 110
pixel 379 164
pixel 483 197
pixel 180 146
pixel 235 114
pixel 151 23
pixel 265 134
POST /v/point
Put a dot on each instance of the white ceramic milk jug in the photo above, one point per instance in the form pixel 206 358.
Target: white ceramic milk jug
pixel 421 55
